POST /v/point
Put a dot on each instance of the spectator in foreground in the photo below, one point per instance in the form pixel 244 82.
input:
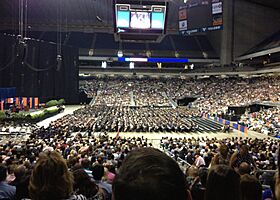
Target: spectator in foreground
pixel 223 183
pixel 150 174
pixel 251 188
pixel 191 174
pixel 51 179
pixel 6 191
pixel 85 186
pixel 21 182
pixel 98 173
pixel 244 168
pixel 198 187
pixel 86 164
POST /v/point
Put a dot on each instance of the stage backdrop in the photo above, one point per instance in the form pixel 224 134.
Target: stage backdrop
pixel 32 68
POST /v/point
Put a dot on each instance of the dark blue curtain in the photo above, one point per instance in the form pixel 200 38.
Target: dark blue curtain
pixel 7 93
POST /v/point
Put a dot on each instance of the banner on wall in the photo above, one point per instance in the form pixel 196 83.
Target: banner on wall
pixel 31 102
pixel 17 101
pixel 2 105
pixel 217 8
pixel 24 101
pixel 36 102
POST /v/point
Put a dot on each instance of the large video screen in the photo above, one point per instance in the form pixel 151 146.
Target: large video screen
pixel 200 16
pixel 133 18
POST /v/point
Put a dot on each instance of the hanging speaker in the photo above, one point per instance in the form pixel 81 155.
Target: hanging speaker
pixel 59 62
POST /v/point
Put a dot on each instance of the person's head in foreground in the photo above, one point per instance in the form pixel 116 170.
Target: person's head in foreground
pixel 50 178
pixel 149 174
pixel 251 188
pixel 222 183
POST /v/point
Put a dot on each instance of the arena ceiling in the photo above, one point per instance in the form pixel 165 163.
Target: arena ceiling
pixel 76 15
pixel 81 15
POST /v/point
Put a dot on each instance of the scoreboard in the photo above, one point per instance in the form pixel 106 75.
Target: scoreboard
pixel 133 18
pixel 200 16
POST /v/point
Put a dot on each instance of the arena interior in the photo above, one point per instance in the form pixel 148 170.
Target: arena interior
pixel 139 99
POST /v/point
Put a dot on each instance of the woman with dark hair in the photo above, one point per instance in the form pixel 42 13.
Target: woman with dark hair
pixel 51 179
pixel 223 183
pixel 85 186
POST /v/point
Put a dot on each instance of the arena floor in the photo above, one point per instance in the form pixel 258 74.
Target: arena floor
pixel 154 137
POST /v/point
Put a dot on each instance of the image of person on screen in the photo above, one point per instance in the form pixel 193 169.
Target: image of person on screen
pixel 140 20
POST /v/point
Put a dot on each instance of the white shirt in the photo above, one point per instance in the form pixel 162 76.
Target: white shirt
pixel 199 161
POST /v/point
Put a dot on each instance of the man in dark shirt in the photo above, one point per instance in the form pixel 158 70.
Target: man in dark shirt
pixel 241 156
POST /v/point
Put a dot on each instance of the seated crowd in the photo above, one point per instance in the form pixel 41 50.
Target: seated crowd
pixel 150 92
pixel 254 160
pixel 16 128
pixel 89 87
pixel 221 93
pixel 215 94
pixel 108 95
pixel 201 151
pixel 59 163
pixel 122 92
pixel 62 165
pixel 126 119
pixel 264 121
